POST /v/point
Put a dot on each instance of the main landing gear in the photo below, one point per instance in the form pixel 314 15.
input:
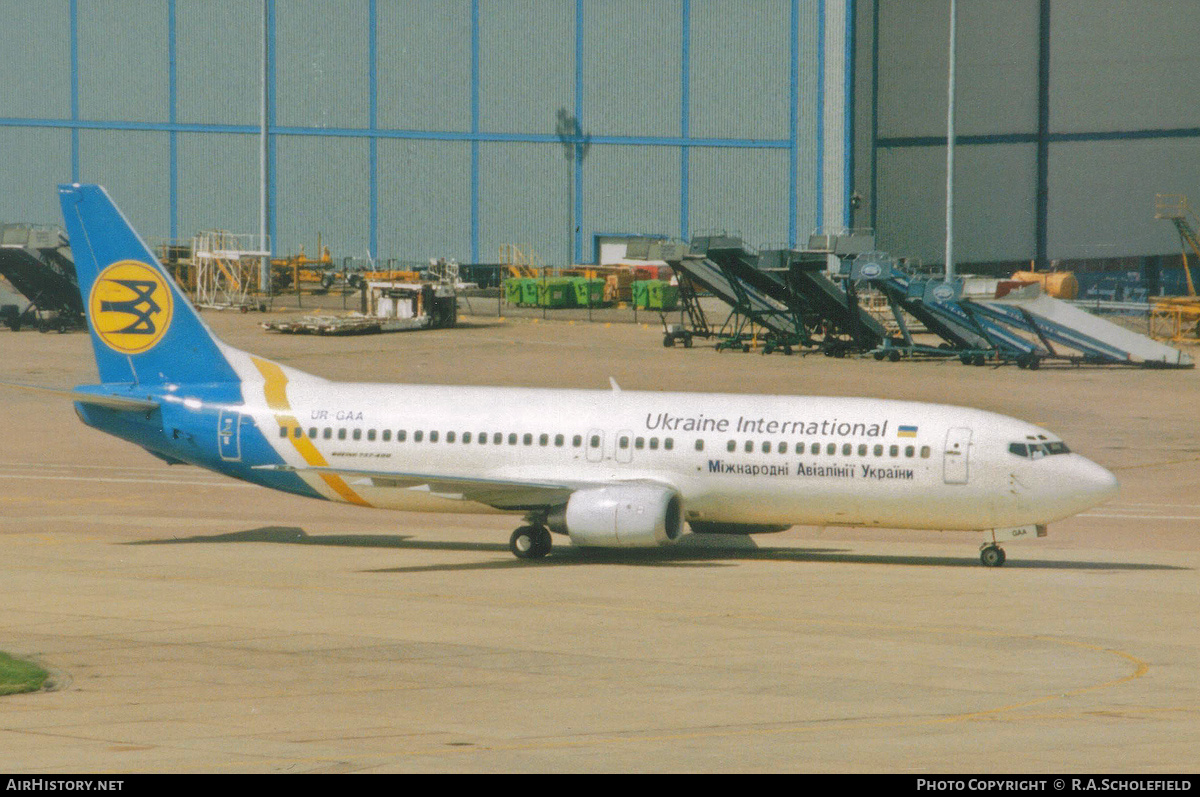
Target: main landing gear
pixel 991 555
pixel 530 542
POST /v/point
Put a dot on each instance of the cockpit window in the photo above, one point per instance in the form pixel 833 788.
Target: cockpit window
pixel 1038 450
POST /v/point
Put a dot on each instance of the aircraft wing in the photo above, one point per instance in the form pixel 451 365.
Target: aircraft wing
pixel 100 399
pixel 510 494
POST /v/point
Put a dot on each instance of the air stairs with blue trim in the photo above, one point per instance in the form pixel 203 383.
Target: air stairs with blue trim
pixel 985 319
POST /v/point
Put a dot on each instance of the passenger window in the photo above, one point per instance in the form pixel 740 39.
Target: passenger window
pixel 512 438
pixel 653 443
pixel 862 449
pixel 576 441
pixel 909 451
pixel 766 447
pixel 783 448
pixel 387 435
pixel 699 444
pixel 482 438
pixel 831 449
pixel 894 451
pixel 418 436
pixel 371 435
pixel 283 432
pixel 527 439
pixel 297 432
pixel 669 443
pixel 623 442
pixel 498 438
pixel 558 441
pixel 924 452
pixel 816 449
pixel 595 441
pixel 449 437
pixel 847 449
pixel 327 434
pixel 401 436
pixel 342 433
pixel 312 433
pixel 749 446
pixel 466 438
pixel 356 434
pixel 878 450
pixel 433 437
pixel 544 440
pixel 731 445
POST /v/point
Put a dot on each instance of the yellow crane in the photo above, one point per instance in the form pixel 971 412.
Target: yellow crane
pixel 1177 317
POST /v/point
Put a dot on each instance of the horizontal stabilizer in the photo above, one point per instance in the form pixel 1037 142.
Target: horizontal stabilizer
pixel 99 399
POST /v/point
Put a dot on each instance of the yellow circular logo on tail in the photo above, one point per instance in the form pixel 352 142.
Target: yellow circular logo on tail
pixel 130 306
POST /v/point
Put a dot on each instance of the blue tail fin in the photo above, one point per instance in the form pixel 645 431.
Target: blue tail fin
pixel 143 328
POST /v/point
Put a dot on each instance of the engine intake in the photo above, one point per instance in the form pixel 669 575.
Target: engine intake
pixel 620 516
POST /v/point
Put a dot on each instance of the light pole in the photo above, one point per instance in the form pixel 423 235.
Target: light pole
pixel 575 146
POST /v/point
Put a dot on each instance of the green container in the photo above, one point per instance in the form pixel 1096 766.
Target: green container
pixel 529 291
pixel 555 292
pixel 641 293
pixel 663 295
pixel 588 292
pixel 512 291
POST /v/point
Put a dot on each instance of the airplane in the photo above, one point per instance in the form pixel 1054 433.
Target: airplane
pixel 605 468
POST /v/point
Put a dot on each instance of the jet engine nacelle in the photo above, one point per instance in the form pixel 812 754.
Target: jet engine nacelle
pixel 620 516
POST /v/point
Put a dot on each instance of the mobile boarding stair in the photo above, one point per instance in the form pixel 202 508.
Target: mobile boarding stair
pixel 751 307
pixel 37 262
pixel 827 317
pixel 1068 333
pixel 986 319
pixel 973 339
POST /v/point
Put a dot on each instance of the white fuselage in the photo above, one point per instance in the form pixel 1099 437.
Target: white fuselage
pixel 732 458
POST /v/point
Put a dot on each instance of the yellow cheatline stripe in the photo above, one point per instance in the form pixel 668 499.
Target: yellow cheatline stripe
pixel 275 391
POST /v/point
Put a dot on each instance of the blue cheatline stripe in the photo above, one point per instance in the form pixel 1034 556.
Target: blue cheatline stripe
pixel 793 121
pixel 74 90
pixel 172 102
pixel 271 138
pixel 848 151
pixel 372 122
pixel 578 232
pixel 685 126
pixel 474 131
pixel 821 114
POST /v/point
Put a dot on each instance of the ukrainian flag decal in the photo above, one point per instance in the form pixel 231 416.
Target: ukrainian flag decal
pixel 906 431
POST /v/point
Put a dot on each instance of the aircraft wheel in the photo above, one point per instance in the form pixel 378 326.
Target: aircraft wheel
pixel 992 556
pixel 687 341
pixel 879 355
pixel 1034 362
pixel 668 341
pixel 894 356
pixel 530 542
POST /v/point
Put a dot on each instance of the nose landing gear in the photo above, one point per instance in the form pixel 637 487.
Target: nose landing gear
pixel 991 555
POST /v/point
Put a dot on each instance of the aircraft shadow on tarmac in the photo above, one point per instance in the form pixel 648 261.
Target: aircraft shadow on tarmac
pixel 721 552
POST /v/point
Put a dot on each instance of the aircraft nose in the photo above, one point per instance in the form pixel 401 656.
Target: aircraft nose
pixel 1093 483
